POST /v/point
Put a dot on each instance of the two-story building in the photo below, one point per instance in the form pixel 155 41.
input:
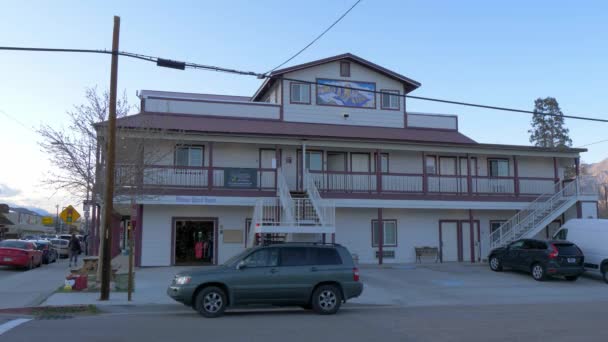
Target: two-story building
pixel 328 151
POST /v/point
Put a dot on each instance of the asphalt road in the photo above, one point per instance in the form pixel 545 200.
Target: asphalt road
pixel 521 322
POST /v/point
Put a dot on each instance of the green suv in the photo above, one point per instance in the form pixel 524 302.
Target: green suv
pixel 314 276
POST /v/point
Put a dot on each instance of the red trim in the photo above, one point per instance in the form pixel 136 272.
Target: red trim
pixel 472 235
pixel 245 103
pixel 424 174
pixel 139 224
pixel 215 221
pixel 300 102
pixel 343 106
pixel 555 172
pixel 378 168
pixel 282 109
pixel 516 175
pixel 469 175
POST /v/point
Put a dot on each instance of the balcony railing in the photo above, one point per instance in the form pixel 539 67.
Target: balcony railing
pixel 185 177
pixel 410 183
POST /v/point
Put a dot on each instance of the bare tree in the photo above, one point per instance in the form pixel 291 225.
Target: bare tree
pixel 72 149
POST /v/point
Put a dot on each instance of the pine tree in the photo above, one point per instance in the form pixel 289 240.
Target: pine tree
pixel 549 130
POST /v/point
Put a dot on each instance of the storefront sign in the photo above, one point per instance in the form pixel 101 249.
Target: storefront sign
pixel 240 178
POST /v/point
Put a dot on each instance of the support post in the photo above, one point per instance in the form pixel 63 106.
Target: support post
pixel 424 176
pixel 577 166
pixel 472 235
pixel 210 169
pixel 131 258
pixel 303 165
pixel 106 267
pixel 380 237
pixel 516 174
pixel 469 176
pixel 378 172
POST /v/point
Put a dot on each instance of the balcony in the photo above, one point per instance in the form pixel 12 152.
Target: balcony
pixel 177 179
pixel 329 182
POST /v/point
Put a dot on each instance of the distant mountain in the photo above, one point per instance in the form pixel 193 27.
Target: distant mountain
pixel 28 209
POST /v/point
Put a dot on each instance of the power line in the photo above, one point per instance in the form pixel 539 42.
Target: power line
pixel 318 37
pixel 594 143
pixel 179 65
pixel 445 101
pixel 17 121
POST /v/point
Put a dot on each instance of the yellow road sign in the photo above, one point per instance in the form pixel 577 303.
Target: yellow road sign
pixel 69 215
pixel 47 221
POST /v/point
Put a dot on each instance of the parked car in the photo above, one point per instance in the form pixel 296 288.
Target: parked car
pixel 20 253
pixel 49 254
pixel 540 258
pixel 313 276
pixel 591 236
pixel 48 237
pixel 68 237
pixel 61 246
pixel 31 237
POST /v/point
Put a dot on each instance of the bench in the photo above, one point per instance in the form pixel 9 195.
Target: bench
pixel 426 252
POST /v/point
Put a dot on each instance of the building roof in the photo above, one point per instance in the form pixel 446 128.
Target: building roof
pixel 300 130
pixel 409 84
pixel 223 125
pixel 192 96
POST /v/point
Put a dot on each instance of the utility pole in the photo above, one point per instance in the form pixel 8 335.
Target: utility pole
pixel 106 261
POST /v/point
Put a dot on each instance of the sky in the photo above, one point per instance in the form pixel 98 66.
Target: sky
pixel 498 53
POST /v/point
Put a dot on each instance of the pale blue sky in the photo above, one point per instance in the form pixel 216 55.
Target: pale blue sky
pixel 500 53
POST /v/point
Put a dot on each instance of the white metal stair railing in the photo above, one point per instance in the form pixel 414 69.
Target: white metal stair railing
pixel 326 210
pixel 539 213
pixel 285 195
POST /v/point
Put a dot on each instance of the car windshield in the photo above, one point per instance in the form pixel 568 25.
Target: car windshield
pixel 14 244
pixel 59 242
pixel 237 257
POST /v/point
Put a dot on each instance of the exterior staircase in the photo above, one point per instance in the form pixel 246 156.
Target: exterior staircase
pixel 542 211
pixel 292 212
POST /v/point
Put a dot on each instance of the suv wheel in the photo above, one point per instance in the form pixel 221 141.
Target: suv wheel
pixel 326 300
pixel 538 272
pixel 495 264
pixel 210 302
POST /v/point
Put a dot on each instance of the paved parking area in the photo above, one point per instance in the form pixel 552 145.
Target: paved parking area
pixel 469 284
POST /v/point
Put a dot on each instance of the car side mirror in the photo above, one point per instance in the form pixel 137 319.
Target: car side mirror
pixel 241 265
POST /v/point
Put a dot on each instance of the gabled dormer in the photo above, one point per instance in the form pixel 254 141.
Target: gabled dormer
pixel 304 99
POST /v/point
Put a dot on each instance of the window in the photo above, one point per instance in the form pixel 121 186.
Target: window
pixel 345 69
pixel 498 167
pixel 267 257
pixel 389 233
pixel 336 161
pixel 562 235
pixel 300 93
pixel 383 162
pixel 431 165
pixel 494 226
pixel 189 156
pixel 294 256
pixel 390 101
pixel 314 160
pixel 517 245
pixel 325 256
pixel 359 162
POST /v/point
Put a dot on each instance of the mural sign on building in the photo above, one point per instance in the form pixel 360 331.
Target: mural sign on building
pixel 330 93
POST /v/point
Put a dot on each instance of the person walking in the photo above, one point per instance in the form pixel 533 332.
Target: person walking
pixel 74 249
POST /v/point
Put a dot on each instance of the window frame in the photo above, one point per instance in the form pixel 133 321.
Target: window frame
pixel 490 160
pixel 384 244
pixel 344 74
pixel 396 92
pixel 369 162
pixel 291 93
pixel 177 147
pixel 426 167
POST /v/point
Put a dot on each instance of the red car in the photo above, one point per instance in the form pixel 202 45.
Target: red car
pixel 20 253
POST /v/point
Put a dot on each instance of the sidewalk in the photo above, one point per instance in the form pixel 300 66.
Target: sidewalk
pixel 150 286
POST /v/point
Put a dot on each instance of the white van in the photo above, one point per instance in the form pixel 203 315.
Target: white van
pixel 591 236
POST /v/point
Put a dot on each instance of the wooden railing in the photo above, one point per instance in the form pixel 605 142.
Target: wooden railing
pixel 367 182
pixel 187 177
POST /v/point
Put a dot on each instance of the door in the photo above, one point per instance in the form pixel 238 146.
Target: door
pixel 297 273
pixel 469 245
pixel 256 281
pixel 511 257
pixel 449 241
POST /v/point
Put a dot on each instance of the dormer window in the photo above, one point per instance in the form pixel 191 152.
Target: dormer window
pixel 390 101
pixel 344 69
pixel 299 93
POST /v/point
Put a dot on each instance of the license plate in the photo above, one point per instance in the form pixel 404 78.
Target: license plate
pixel 8 259
pixel 571 260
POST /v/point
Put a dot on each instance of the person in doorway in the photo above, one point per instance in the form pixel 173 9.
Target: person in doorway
pixel 74 248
